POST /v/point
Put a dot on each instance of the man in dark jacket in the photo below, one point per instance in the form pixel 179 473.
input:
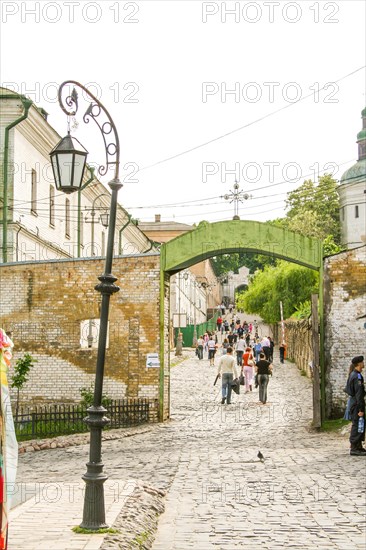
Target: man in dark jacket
pixel 356 389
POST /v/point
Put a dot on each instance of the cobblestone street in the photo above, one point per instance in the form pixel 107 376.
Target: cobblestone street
pixel 307 493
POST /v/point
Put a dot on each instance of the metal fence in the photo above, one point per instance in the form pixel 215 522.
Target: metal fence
pixel 52 420
pixel 201 328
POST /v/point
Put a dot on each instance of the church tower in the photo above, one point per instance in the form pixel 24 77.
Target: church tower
pixel 352 196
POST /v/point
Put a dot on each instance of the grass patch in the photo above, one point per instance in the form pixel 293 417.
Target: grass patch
pixel 141 539
pixel 82 531
pixel 334 425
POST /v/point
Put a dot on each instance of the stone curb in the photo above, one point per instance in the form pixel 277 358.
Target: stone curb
pixel 63 441
pixel 138 519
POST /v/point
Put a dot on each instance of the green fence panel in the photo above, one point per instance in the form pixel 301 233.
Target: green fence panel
pixel 188 331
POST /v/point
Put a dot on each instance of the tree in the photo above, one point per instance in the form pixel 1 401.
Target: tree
pixel 232 262
pixel 314 209
pixel 290 283
pixel 20 376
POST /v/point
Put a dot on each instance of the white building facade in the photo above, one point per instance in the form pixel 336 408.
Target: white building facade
pixel 37 222
pixel 352 196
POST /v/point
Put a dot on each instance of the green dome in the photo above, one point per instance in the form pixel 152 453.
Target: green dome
pixel 361 135
pixel 357 172
pixel 363 113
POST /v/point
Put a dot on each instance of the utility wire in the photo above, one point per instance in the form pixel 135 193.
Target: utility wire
pixel 264 117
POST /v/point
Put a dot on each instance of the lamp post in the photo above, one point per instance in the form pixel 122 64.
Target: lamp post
pixel 236 196
pixel 68 162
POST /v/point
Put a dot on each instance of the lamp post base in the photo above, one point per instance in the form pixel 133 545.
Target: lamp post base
pixel 94 510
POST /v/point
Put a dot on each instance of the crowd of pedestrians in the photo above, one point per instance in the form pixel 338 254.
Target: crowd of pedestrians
pixel 243 357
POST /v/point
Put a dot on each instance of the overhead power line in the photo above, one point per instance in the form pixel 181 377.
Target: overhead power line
pixel 260 119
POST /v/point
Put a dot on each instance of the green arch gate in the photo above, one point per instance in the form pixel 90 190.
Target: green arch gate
pixel 213 239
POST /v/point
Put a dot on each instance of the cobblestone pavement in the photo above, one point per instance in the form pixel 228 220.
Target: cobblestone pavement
pixel 307 493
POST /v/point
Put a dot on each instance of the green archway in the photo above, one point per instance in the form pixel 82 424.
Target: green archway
pixel 212 239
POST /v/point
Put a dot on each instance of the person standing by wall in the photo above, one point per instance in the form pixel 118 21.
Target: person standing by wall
pixel 227 370
pixel 356 389
pixel 282 349
pixel 264 370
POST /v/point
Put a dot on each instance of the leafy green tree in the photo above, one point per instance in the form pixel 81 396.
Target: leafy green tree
pixel 20 376
pixel 232 262
pixel 290 283
pixel 314 209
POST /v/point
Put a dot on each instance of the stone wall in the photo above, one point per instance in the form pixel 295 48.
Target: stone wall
pixel 299 346
pixel 345 316
pixel 44 304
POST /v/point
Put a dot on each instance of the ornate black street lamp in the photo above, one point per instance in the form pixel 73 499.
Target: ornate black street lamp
pixel 68 159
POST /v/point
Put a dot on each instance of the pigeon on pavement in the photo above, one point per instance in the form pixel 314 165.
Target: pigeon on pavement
pixel 260 456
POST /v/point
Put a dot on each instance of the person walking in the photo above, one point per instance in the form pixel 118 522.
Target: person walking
pixel 212 346
pixel 224 346
pixel 219 323
pixel 258 349
pixel 227 371
pixel 248 366
pixel 356 389
pixel 271 346
pixel 240 347
pixel 200 344
pixel 266 347
pixel 264 370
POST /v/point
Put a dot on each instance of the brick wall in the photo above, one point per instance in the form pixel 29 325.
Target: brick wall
pixel 345 309
pixel 43 305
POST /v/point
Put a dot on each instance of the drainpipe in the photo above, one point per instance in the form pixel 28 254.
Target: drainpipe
pixel 26 104
pixel 120 234
pixel 91 169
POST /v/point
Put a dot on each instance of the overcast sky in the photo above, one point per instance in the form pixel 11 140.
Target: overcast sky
pixel 164 70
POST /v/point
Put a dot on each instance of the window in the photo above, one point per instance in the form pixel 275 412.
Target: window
pixel 34 193
pixel 356 211
pixel 343 213
pixel 89 334
pixel 52 205
pixel 67 218
pixel 103 243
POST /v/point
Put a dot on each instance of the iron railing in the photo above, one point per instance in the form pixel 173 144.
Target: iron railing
pixel 51 420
